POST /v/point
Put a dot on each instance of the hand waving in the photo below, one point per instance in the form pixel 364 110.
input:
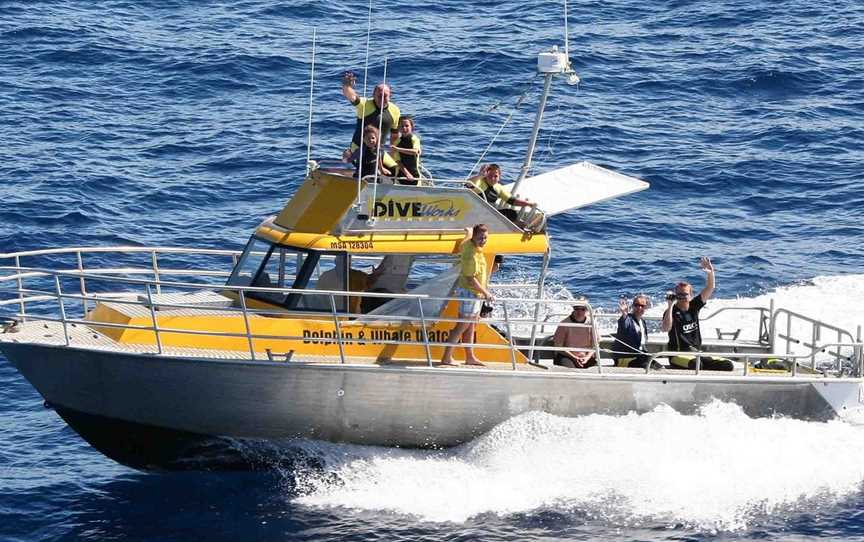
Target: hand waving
pixel 623 306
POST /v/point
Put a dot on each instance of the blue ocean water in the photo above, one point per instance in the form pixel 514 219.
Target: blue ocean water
pixel 184 124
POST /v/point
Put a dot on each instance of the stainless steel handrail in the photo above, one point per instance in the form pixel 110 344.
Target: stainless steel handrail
pixel 134 249
pixel 98 274
pixel 815 333
pixel 857 345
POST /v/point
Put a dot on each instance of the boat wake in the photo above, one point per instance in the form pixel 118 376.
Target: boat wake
pixel 825 298
pixel 718 470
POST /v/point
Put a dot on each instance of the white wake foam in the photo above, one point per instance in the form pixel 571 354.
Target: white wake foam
pixel 719 470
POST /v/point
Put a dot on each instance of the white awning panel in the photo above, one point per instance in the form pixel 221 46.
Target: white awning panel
pixel 576 186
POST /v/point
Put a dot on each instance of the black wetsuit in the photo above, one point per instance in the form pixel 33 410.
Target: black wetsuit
pixel 370 164
pixel 685 336
pixel 368 114
pixel 411 162
pixel 494 192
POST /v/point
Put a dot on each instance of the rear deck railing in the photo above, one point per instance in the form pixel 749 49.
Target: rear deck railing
pixel 45 294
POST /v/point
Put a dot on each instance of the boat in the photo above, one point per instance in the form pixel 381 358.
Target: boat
pixel 149 353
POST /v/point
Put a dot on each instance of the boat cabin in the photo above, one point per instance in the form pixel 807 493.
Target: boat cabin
pixel 397 240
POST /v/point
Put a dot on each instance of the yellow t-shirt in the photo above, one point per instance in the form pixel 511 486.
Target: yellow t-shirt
pixel 473 265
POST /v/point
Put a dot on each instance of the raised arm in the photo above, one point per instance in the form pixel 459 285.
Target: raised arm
pixel 708 290
pixel 348 88
pixel 623 307
pixel 666 324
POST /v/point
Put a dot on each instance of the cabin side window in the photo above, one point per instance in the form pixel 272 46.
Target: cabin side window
pixel 256 252
pixel 329 273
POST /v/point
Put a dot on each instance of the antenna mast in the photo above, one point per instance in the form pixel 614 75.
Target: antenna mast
pixel 549 64
pixel 363 119
pixel 566 36
pixel 378 152
pixel 311 88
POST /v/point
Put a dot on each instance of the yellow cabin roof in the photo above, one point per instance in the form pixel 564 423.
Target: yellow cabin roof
pixel 401 219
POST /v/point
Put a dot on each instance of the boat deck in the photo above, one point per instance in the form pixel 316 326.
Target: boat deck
pixel 84 337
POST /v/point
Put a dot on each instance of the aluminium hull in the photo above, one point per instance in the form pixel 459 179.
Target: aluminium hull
pixel 148 401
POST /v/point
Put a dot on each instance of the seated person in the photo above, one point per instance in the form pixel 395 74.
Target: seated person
pixel 407 151
pixel 681 321
pixel 629 347
pixel 488 185
pixel 392 273
pixel 358 281
pixel 370 303
pixel 368 159
pixel 575 337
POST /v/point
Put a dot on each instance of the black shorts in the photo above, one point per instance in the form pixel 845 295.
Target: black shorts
pixel 708 363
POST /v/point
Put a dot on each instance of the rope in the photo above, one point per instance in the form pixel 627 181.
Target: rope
pixel 553 133
pixel 519 102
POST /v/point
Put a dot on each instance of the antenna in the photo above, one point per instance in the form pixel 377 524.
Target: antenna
pixel 363 119
pixel 549 64
pixel 371 220
pixel 311 88
pixel 572 78
pixel 566 35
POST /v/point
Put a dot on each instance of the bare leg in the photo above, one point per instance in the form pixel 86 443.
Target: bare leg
pixel 453 338
pixel 468 337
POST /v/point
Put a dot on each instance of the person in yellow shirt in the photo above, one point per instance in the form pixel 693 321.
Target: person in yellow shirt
pixel 472 287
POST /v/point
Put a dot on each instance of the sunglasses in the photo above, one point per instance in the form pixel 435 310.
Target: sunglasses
pixel 640 305
pixel 682 296
pixel 579 308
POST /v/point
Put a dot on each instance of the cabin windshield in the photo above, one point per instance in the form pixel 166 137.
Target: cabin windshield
pixel 265 265
pixel 256 252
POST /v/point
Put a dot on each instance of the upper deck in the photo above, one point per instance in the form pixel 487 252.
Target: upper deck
pixel 327 213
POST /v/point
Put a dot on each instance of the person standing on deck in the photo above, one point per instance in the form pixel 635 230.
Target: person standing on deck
pixel 377 111
pixel 472 285
pixel 681 321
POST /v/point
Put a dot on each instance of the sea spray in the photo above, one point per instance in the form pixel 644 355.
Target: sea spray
pixel 717 470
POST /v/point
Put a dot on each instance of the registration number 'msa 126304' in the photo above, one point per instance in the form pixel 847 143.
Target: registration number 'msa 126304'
pixel 352 245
